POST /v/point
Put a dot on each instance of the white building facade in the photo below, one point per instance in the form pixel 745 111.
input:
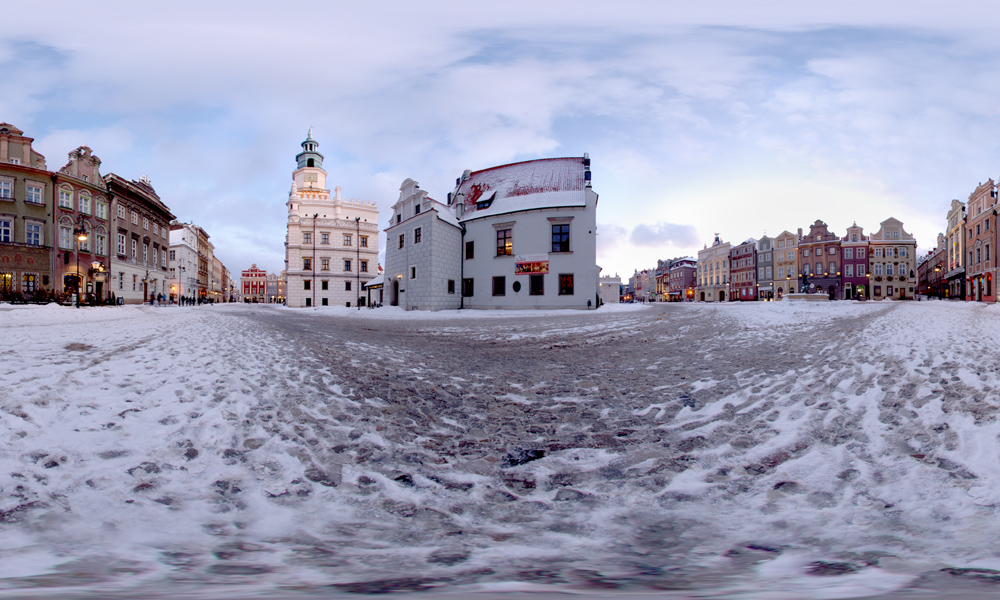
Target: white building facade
pixel 331 245
pixel 516 236
pixel 183 261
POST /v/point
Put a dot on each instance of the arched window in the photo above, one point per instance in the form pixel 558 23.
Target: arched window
pixel 311 163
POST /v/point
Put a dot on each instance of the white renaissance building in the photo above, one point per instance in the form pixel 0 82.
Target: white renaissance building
pixel 521 235
pixel 331 246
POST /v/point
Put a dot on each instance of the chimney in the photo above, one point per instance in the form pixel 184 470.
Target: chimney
pixel 800 233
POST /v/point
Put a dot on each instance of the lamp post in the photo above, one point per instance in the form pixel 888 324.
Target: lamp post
pixel 81 236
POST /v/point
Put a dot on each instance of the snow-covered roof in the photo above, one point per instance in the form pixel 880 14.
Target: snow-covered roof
pixel 544 183
pixel 377 281
pixel 445 213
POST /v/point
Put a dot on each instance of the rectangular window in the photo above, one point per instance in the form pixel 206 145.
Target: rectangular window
pixel 416 209
pixel 499 286
pixel 861 252
pixel 6 189
pixel 306 285
pixel 805 252
pixel 560 238
pixel 347 264
pixel 33 234
pixel 145 223
pixel 536 285
pixel 347 239
pixel 163 256
pixel 878 269
pixel 34 194
pixel 416 235
pixel 135 218
pixel 6 230
pixel 888 269
pixel 819 268
pixel 121 211
pixel 401 238
pixel 347 286
pixel 65 199
pixel 505 242
pixel 767 273
pixel 832 268
pixel 364 241
pixel 29 282
pixel 308 300
pixel 173 255
pixel 848 270
pixel 364 266
pixel 848 252
pixel 85 204
pixel 861 270
pixel 121 244
pixel 324 238
pixel 470 250
pixel 145 254
pixel 467 287
pixel 566 284
pixel 102 210
pixel 156 227
pixel 135 282
pixel 64 236
pixel 832 250
pixel 781 272
pixel 307 264
pixel 307 237
pixel 413 272
pixel 324 301
pixel 324 264
pixel 451 286
pixel 324 285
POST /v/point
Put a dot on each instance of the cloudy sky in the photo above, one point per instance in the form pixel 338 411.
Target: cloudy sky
pixel 737 117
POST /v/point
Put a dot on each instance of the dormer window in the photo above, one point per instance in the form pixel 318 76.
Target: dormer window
pixel 416 209
pixel 486 203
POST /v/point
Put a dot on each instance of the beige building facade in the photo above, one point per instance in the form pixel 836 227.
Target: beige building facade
pixel 786 263
pixel 892 262
pixel 713 272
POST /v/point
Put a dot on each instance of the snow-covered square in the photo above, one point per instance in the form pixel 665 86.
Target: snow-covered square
pixel 765 450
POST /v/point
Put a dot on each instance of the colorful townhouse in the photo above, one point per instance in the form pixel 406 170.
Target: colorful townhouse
pixel 892 262
pixel 786 263
pixel 854 263
pixel 980 246
pixel 765 268
pixel 819 255
pixel 743 271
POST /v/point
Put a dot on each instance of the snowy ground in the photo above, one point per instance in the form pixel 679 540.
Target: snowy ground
pixel 779 450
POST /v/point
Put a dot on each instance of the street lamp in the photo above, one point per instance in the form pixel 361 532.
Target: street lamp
pixel 81 236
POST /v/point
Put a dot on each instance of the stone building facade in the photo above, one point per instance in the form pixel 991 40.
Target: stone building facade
pixel 424 253
pixel 140 224
pixel 331 245
pixel 254 283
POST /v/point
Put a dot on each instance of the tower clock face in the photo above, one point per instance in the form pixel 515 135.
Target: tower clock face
pixel 310 176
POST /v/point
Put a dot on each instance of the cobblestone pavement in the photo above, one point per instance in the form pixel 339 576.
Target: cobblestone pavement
pixel 696 451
